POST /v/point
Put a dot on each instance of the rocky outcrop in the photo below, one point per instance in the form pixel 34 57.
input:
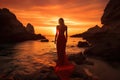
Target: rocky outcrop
pixel 12 30
pixel 77 58
pixel 30 28
pixel 111 13
pixel 105 42
pixel 83 44
pixel 111 17
pixel 89 32
pixel 44 40
pixel 76 35
pixel 9 24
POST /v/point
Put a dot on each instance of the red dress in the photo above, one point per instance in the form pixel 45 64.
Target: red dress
pixel 63 67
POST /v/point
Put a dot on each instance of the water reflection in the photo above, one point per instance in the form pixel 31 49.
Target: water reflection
pixel 28 57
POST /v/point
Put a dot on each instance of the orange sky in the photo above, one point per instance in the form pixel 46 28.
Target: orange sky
pixel 80 14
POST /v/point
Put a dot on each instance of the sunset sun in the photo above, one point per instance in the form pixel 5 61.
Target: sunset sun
pixel 54 30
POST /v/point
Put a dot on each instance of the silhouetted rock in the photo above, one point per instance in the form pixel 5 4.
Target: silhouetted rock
pixel 76 35
pixel 12 30
pixel 111 14
pixel 83 44
pixel 77 58
pixel 44 40
pixel 89 32
pixel 30 28
pixel 105 41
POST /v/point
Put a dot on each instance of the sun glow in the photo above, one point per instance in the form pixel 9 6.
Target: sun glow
pixel 45 30
pixel 54 30
pixel 78 15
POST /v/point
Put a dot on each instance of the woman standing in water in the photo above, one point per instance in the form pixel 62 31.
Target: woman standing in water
pixel 63 67
pixel 60 40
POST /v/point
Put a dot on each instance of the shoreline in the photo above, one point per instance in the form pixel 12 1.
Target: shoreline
pixel 88 69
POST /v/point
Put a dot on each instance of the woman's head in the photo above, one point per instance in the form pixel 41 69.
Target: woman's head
pixel 61 21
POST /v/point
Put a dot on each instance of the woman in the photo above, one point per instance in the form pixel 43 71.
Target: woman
pixel 60 40
pixel 63 67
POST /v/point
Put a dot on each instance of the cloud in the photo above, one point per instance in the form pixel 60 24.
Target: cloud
pixel 31 3
pixel 46 12
pixel 42 3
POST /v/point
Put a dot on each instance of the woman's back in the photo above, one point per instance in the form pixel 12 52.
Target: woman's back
pixel 63 67
pixel 61 29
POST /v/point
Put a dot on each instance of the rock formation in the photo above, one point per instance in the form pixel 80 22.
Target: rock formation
pixel 90 31
pixel 30 28
pixel 105 42
pixel 83 44
pixel 12 30
pixel 111 14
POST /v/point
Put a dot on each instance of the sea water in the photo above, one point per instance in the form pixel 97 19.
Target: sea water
pixel 29 56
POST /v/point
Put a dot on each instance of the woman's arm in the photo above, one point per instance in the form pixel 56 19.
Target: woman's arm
pixel 56 34
pixel 66 34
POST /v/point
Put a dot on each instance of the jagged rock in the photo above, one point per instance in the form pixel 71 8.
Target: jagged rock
pixel 83 44
pixel 9 24
pixel 89 32
pixel 12 30
pixel 44 40
pixel 30 28
pixel 105 40
pixel 76 35
pixel 105 44
pixel 77 58
pixel 93 30
pixel 111 13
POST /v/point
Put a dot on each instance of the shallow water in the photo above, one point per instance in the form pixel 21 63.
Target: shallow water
pixel 29 56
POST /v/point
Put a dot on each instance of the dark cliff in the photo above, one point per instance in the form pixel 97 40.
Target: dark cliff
pixel 30 28
pixel 105 42
pixel 111 13
pixel 12 30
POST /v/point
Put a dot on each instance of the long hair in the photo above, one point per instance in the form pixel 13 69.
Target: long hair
pixel 61 21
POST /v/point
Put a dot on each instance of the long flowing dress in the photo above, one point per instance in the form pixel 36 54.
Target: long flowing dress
pixel 63 67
